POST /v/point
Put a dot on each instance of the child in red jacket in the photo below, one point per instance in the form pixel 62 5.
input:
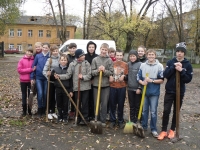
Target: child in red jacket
pixel 24 69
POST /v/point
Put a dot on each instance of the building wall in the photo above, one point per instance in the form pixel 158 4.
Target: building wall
pixel 26 41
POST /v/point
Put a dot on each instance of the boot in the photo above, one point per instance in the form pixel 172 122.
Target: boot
pixel 39 113
pixel 29 111
pixel 43 111
pixel 24 107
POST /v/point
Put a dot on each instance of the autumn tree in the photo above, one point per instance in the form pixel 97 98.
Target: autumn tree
pixel 9 13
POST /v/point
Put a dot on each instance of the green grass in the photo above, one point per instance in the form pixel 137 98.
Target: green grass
pixel 19 123
pixel 196 65
pixel 1 121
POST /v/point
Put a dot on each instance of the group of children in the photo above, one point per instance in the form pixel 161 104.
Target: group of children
pixel 79 73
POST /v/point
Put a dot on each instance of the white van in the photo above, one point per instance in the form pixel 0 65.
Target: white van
pixel 82 44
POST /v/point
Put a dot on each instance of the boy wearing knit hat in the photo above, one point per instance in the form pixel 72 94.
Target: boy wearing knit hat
pixel 184 67
pixel 82 65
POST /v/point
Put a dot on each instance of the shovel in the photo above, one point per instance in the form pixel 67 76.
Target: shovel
pixel 78 99
pixel 137 128
pixel 48 88
pixel 177 138
pixel 96 126
pixel 73 102
pixel 30 98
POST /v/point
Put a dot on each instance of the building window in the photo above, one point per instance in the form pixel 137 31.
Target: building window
pixel 40 33
pixel 48 33
pixel 30 33
pixel 19 47
pixel 11 32
pixel 19 32
pixel 11 46
pixel 29 45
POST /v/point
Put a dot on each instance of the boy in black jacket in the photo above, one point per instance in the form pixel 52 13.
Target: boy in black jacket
pixel 184 67
pixel 61 97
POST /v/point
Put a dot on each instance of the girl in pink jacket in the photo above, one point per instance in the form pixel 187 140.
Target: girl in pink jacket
pixel 24 69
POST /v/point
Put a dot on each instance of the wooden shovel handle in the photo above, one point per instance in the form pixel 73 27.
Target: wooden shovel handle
pixel 98 95
pixel 177 102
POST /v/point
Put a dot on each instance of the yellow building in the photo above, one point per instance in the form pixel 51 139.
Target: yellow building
pixel 31 29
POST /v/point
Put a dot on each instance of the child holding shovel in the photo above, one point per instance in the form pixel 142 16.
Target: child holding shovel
pixel 61 98
pixel 186 72
pixel 51 63
pixel 84 77
pixel 24 69
pixel 154 69
pixel 102 63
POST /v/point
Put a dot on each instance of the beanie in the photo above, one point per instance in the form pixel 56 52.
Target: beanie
pixel 79 53
pixel 181 47
pixel 133 52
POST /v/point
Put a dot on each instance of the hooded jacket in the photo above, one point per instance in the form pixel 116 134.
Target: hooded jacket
pixel 155 71
pixel 55 63
pixel 170 74
pixel 24 68
pixel 88 56
pixel 108 64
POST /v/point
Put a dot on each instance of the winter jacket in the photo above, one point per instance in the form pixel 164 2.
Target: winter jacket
pixel 24 68
pixel 133 68
pixel 68 84
pixel 143 59
pixel 108 64
pixel 170 74
pixel 155 71
pixel 88 56
pixel 70 58
pixel 73 71
pixel 39 62
pixel 55 63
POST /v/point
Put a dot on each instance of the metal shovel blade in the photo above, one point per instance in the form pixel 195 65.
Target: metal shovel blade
pixel 96 127
pixel 138 130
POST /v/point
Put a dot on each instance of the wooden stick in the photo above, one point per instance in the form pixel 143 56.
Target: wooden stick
pixel 177 102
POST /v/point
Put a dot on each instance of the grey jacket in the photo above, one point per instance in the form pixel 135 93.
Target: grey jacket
pixel 55 63
pixel 73 71
pixel 108 64
pixel 133 69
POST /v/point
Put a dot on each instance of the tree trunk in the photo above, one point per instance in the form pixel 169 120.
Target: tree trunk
pixel 89 19
pixel 84 20
pixel 130 38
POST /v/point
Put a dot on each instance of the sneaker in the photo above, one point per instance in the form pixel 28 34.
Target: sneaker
pixel 108 117
pixel 121 125
pixel 65 121
pixel 54 116
pixel 162 135
pixel 112 125
pixel 103 125
pixel 50 116
pixel 171 134
pixel 155 134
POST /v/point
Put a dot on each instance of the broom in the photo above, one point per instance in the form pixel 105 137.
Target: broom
pixel 129 125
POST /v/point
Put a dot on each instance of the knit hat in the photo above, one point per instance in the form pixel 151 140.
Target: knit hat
pixel 181 47
pixel 79 53
pixel 133 52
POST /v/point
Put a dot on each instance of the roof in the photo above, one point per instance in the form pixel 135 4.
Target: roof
pixel 38 20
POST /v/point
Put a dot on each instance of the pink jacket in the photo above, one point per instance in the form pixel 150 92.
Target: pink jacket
pixel 24 68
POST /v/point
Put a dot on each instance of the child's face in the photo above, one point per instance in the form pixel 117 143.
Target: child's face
pixel 55 52
pixel 119 56
pixel 151 57
pixel 45 49
pixel 38 48
pixel 82 58
pixel 29 54
pixel 180 55
pixel 141 52
pixel 112 54
pixel 103 51
pixel 132 58
pixel 72 50
pixel 91 48
pixel 63 61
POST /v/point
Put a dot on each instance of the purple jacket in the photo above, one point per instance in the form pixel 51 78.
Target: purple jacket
pixel 24 68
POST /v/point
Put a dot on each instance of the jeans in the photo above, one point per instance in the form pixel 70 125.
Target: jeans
pixel 41 92
pixel 117 98
pixel 170 99
pixel 152 102
pixel 104 96
pixel 25 88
